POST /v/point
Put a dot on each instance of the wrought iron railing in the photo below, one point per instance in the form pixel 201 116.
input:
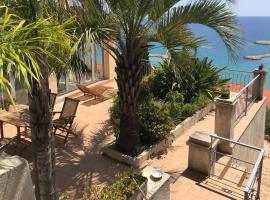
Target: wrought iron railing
pixel 252 168
pixel 245 98
pixel 253 187
pixel 237 79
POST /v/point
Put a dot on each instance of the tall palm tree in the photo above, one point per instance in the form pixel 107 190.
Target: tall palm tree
pixel 28 46
pixel 127 28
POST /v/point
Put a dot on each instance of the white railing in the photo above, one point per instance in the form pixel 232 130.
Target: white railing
pixel 245 98
pixel 252 188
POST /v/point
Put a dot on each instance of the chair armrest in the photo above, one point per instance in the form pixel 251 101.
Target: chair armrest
pixel 56 112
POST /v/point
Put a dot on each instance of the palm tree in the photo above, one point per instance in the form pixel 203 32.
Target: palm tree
pixel 127 30
pixel 27 49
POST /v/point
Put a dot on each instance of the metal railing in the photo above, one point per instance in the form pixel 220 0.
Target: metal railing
pixel 251 190
pixel 245 98
pixel 237 79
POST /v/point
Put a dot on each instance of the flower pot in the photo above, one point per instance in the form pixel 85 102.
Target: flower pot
pixel 225 94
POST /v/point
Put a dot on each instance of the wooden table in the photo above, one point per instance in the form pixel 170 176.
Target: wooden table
pixel 17 116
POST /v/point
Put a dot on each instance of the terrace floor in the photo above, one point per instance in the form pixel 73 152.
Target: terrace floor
pixel 80 164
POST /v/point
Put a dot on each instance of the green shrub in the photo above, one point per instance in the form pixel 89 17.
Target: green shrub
pixel 174 103
pixel 201 101
pixel 188 110
pixel 161 81
pixel 198 77
pixel 191 77
pixel 115 109
pixel 122 189
pixel 155 122
pixel 267 122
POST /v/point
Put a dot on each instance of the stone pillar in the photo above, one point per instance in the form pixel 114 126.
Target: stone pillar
pixel 157 189
pixel 258 86
pixel 225 121
pixel 199 154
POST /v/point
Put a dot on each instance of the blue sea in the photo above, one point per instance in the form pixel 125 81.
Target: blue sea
pixel 253 29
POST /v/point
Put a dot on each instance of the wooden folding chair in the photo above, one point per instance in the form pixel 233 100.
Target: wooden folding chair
pixel 66 118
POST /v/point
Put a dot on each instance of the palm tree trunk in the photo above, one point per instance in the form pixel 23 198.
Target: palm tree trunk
pixel 128 81
pixel 41 125
pixel 42 138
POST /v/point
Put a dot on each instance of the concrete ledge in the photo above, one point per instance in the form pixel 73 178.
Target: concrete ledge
pixel 191 121
pixel 138 160
pixel 161 146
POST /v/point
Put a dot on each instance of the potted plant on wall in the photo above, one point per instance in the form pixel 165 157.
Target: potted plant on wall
pixel 225 93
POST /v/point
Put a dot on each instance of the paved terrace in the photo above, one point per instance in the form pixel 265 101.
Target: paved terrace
pixel 80 164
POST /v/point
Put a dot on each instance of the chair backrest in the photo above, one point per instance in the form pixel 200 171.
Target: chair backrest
pixel 52 99
pixel 69 108
pixel 83 88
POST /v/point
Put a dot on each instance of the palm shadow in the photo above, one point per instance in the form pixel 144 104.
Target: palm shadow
pixel 80 163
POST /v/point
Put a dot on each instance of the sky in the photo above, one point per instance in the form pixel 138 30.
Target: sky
pixel 249 7
pixel 252 7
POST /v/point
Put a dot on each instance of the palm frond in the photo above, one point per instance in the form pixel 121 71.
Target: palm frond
pixel 20 47
pixel 216 16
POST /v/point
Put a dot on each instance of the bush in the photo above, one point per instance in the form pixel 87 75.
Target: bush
pixel 267 122
pixel 161 81
pixel 115 109
pixel 188 110
pixel 190 78
pixel 201 101
pixel 122 189
pixel 155 122
pixel 174 103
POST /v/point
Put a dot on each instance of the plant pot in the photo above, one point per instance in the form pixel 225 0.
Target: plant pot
pixel 140 193
pixel 225 94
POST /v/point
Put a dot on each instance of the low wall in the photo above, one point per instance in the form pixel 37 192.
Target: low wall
pixel 191 121
pixel 251 132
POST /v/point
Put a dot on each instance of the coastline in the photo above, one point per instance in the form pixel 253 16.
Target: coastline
pixel 257 57
pixel 263 42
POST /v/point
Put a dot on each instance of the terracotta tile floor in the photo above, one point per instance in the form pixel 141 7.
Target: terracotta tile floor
pixel 80 164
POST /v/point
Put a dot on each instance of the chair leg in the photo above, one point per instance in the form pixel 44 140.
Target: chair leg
pixel 65 140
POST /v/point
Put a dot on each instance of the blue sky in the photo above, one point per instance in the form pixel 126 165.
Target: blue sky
pixel 252 7
pixel 249 7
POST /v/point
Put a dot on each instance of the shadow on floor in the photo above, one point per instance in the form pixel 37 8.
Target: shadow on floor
pixel 82 162
pixel 213 185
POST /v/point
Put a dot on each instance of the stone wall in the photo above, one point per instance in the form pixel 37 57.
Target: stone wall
pixel 253 133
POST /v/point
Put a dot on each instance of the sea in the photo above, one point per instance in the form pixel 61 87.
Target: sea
pixel 252 28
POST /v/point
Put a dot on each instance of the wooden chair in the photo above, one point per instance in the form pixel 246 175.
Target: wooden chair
pixel 66 118
pixel 98 91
